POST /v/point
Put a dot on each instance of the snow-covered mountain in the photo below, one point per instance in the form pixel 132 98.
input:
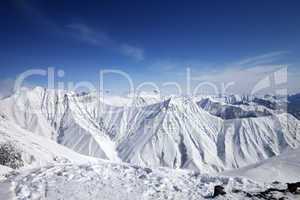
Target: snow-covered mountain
pixel 154 148
pixel 58 116
pixel 178 132
pixel 37 150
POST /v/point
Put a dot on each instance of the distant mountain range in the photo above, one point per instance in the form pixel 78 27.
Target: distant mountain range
pixel 206 134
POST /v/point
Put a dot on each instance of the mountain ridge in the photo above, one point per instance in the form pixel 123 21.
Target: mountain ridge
pixel 176 132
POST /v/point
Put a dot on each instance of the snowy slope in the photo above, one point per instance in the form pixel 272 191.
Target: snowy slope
pixel 58 116
pixel 4 170
pixel 181 135
pixel 283 168
pixel 167 135
pixel 110 181
pixel 37 150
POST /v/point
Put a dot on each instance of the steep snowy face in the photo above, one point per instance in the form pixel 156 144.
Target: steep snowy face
pixel 26 109
pixel 244 141
pixel 37 150
pixel 179 132
pixel 169 134
pixel 59 116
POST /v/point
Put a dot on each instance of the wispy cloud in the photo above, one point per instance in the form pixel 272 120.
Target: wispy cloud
pixel 241 80
pixel 136 53
pixel 87 34
pixel 244 74
pixel 81 31
pixel 163 66
pixel 262 59
pixel 179 66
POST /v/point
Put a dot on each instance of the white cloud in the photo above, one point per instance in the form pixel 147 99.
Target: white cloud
pixel 245 74
pixel 262 59
pixel 242 81
pixel 241 76
pixel 134 52
pixel 86 34
pixel 102 39
pixel 178 66
pixel 163 66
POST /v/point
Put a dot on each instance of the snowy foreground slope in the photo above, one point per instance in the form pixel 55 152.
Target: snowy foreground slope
pixel 108 181
pixel 283 168
pixel 105 180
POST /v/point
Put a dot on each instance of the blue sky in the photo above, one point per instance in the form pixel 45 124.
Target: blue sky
pixel 151 41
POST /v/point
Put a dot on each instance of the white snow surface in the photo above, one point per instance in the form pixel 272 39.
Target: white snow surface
pixel 109 181
pixel 4 170
pixel 283 168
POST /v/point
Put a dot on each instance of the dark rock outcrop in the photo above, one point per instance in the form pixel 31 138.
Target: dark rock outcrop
pixel 292 187
pixel 219 190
